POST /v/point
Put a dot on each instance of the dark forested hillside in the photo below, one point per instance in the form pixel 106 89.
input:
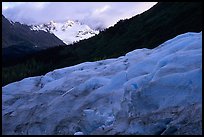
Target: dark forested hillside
pixel 147 30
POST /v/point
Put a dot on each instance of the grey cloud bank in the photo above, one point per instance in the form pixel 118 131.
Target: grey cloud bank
pixel 94 14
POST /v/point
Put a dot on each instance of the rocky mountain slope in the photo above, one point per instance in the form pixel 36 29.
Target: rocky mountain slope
pixel 147 91
pixel 18 40
pixel 69 31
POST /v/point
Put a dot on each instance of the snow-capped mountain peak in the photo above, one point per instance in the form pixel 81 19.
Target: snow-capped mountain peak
pixel 69 23
pixel 68 31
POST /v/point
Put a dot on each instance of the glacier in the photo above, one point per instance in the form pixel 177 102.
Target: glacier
pixel 146 92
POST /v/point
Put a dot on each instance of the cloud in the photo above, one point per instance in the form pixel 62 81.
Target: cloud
pixel 95 14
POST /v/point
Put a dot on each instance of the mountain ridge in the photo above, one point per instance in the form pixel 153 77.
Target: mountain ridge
pixel 18 40
pixel 69 31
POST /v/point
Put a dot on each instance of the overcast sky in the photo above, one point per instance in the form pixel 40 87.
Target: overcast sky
pixel 94 14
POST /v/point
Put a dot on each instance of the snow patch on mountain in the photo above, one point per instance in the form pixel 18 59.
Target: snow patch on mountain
pixel 69 32
pixel 147 91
